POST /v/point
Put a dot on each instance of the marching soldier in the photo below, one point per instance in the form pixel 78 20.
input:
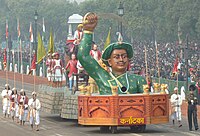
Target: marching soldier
pixel 23 106
pixel 34 108
pixel 192 108
pixel 6 100
pixel 176 103
pixel 57 65
pixel 49 64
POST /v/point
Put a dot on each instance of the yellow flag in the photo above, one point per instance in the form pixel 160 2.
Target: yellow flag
pixel 107 39
pixel 41 52
pixel 51 43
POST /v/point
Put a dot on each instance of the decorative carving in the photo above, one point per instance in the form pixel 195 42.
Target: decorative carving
pixel 131 111
pixel 98 112
pixel 131 101
pixel 159 110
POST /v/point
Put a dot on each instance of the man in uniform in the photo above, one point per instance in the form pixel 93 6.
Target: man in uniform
pixel 192 108
pixel 34 110
pixel 48 65
pixel 57 65
pixel 14 104
pixel 6 100
pixel 116 56
pixel 78 34
pixel 72 65
pixel 95 53
pixel 23 106
pixel 176 103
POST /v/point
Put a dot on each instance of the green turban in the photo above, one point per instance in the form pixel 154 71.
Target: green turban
pixel 108 50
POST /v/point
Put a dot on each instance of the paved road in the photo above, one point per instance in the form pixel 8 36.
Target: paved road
pixel 53 125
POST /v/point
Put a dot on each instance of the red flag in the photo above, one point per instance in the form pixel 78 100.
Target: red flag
pixel 33 64
pixel 31 33
pixel 4 59
pixel 175 68
pixel 6 29
pixel 18 29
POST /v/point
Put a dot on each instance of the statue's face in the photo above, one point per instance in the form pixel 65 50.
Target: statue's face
pixel 118 61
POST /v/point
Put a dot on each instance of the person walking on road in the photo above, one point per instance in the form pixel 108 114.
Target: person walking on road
pixel 192 108
pixel 176 103
pixel 34 110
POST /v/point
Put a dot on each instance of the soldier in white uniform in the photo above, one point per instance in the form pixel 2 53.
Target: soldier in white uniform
pixel 14 108
pixel 58 70
pixel 176 103
pixel 6 100
pixel 34 110
pixel 23 107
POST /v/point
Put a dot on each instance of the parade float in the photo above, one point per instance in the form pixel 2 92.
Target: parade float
pixel 122 100
pixel 133 110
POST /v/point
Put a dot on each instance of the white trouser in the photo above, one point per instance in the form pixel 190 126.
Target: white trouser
pixel 5 108
pixel 5 105
pixel 176 115
pixel 23 116
pixel 8 108
pixel 37 118
pixel 16 110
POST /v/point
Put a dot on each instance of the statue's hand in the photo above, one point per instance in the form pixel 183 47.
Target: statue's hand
pixel 90 21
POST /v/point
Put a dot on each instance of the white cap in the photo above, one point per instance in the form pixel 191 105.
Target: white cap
pixel 176 88
pixel 33 93
pixel 6 85
pixel 22 90
pixel 14 89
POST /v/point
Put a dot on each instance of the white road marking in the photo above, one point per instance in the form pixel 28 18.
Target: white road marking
pixel 133 134
pixel 58 134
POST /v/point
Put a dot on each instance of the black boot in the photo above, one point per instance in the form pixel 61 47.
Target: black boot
pixel 23 123
pixel 173 122
pixel 32 126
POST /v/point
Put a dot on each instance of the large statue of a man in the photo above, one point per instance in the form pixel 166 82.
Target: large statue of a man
pixel 116 55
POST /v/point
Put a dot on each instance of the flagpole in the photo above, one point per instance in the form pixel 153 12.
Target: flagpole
pixel 7 51
pixel 21 64
pixel 157 61
pixel 34 81
pixel 30 55
pixel 14 65
pixel 145 57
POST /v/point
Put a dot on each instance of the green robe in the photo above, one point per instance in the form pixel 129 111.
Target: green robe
pixel 132 82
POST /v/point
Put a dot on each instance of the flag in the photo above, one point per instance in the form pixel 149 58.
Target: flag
pixel 175 68
pixel 31 33
pixel 43 31
pixel 179 34
pixel 107 39
pixel 6 29
pixel 41 52
pixel 18 29
pixel 5 59
pixel 33 66
pixel 51 43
